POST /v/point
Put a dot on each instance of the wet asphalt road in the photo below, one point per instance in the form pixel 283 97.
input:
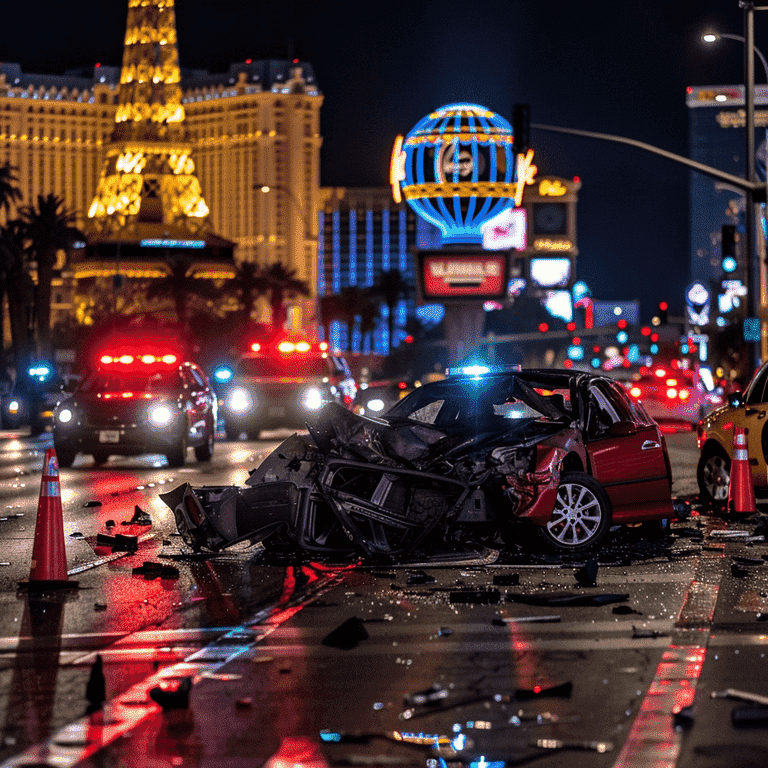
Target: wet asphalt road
pixel 302 663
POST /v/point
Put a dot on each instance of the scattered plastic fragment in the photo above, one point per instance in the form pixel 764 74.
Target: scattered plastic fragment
pixel 99 606
pixel 419 577
pixel 346 635
pixel 95 689
pixel 244 703
pixel 480 596
pixel 92 504
pixel 741 560
pixel 152 570
pixel 109 523
pixel 506 579
pixel 140 517
pixel 119 542
pixel 739 571
pixel 761 616
pixel 444 632
pixel 625 610
pixel 638 632
pixel 746 716
pixel 728 533
pixel 170 696
pixel 586 576
pixel 566 598
pixel 683 718
pixel 552 619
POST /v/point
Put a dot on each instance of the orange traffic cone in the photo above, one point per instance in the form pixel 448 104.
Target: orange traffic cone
pixel 741 491
pixel 49 557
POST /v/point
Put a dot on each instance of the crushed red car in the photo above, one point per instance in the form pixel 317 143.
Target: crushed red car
pixel 558 457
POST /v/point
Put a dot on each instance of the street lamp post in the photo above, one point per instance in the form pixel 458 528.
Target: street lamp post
pixel 751 275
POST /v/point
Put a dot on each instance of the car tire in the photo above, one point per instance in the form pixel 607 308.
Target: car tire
pixel 178 454
pixel 232 433
pixel 204 452
pixel 713 475
pixel 581 517
pixel 65 455
pixel 254 434
pixel 100 457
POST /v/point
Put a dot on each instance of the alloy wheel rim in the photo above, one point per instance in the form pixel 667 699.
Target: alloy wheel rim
pixel 577 515
pixel 716 478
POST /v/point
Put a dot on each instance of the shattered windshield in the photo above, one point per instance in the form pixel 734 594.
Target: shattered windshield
pixel 491 402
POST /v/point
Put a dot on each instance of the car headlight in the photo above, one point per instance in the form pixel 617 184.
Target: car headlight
pixel 161 415
pixel 14 406
pixel 376 404
pixel 240 400
pixel 312 399
pixel 65 415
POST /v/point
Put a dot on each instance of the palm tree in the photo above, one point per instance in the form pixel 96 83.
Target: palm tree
pixel 9 194
pixel 9 190
pixel 180 285
pixel 16 282
pixel 278 281
pixel 355 302
pixel 48 228
pixel 390 287
pixel 249 284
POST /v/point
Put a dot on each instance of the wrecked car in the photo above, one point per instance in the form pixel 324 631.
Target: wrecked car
pixel 547 457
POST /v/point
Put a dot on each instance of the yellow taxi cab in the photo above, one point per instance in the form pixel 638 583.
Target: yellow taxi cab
pixel 715 433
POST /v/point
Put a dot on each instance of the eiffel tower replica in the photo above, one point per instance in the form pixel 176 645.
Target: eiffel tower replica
pixel 149 209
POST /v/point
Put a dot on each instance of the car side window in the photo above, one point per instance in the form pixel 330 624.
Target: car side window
pixel 199 382
pixel 757 393
pixel 601 414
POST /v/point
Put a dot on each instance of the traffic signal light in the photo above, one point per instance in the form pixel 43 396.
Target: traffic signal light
pixel 662 313
pixel 730 239
pixel 521 128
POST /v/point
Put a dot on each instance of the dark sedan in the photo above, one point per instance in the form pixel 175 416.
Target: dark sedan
pixel 136 404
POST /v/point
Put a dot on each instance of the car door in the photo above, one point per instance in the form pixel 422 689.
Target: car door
pixel 752 416
pixel 197 401
pixel 627 455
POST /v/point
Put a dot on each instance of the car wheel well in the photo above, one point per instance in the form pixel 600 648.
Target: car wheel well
pixel 572 463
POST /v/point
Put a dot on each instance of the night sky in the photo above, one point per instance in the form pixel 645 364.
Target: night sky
pixel 613 66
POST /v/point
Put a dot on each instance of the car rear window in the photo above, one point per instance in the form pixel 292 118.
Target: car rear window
pixel 288 366
pixel 160 381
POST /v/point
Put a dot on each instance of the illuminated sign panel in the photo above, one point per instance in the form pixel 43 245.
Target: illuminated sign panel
pixel 505 231
pixel 445 275
pixel 550 272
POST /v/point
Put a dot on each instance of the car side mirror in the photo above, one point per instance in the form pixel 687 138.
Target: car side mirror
pixel 623 428
pixel 736 400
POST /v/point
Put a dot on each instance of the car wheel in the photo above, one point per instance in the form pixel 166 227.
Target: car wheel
pixel 65 455
pixel 100 457
pixel 232 432
pixel 714 475
pixel 204 452
pixel 253 434
pixel 581 517
pixel 178 454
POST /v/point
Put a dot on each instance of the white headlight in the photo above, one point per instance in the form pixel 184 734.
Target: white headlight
pixel 13 406
pixel 160 415
pixel 313 399
pixel 376 404
pixel 65 415
pixel 239 400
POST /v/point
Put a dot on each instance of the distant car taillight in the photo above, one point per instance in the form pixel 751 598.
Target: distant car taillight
pixel 684 394
pixel 635 391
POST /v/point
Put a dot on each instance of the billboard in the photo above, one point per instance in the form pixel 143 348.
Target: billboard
pixel 448 274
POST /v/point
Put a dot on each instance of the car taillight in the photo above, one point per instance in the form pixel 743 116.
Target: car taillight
pixel 684 394
pixel 635 391
pixel 671 393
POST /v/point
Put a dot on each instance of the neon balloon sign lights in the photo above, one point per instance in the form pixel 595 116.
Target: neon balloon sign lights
pixel 457 169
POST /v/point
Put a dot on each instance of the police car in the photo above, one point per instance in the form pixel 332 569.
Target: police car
pixel 283 383
pixel 138 400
